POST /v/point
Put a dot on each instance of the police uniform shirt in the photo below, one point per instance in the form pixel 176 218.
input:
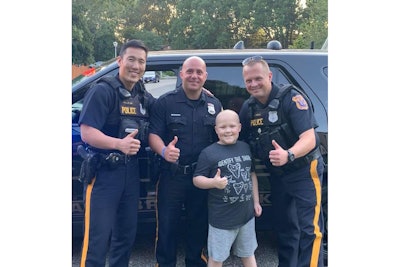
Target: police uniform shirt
pixel 296 109
pixel 100 108
pixel 191 121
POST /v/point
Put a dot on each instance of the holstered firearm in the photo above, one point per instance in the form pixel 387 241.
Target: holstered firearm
pixel 90 164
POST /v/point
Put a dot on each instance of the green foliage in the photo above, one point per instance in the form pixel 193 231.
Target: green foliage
pixel 314 27
pixel 104 49
pixel 187 24
pixel 151 39
pixel 82 39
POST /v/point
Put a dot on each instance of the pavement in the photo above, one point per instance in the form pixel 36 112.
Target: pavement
pixel 143 252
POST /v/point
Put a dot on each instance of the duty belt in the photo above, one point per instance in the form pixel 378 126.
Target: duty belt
pixel 313 155
pixel 297 163
pixel 178 169
pixel 114 158
pixel 303 161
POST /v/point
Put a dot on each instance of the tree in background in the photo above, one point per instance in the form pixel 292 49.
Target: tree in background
pixel 182 24
pixel 201 25
pixel 153 16
pixel 153 41
pixel 314 26
pixel 82 39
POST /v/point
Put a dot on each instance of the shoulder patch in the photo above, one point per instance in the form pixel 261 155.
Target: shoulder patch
pixel 301 103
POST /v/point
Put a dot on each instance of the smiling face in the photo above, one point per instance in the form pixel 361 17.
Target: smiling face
pixel 257 78
pixel 132 65
pixel 227 127
pixel 193 75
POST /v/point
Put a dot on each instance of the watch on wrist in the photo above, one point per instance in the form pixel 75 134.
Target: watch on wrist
pixel 290 155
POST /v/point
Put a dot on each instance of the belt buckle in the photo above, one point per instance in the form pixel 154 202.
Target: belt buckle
pixel 186 169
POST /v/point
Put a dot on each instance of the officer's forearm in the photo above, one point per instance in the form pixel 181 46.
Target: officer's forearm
pixel 156 143
pixel 98 139
pixel 305 144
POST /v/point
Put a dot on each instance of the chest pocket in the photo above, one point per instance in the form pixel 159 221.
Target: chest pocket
pixel 209 121
pixel 176 125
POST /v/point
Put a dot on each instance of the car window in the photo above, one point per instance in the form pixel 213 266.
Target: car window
pixel 226 82
pixel 168 80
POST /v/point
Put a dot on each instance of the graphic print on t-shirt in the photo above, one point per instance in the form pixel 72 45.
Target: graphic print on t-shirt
pixel 239 186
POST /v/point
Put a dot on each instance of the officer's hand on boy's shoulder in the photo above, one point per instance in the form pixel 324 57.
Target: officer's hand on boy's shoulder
pixel 208 92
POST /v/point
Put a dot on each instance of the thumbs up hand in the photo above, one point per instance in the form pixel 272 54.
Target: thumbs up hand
pixel 220 182
pixel 171 152
pixel 278 156
pixel 129 145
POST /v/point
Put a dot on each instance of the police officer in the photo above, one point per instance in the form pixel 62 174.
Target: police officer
pixel 278 123
pixel 181 125
pixel 113 124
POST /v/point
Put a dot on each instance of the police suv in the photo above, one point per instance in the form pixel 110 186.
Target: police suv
pixel 306 69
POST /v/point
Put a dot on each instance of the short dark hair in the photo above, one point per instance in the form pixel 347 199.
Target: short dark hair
pixel 133 43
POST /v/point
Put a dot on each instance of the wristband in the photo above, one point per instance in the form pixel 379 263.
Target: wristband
pixel 163 152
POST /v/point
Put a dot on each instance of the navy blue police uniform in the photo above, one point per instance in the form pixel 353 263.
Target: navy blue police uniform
pixel 192 121
pixel 112 198
pixel 295 186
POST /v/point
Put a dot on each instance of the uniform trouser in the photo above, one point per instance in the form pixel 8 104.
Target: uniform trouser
pixel 298 217
pixel 172 194
pixel 111 206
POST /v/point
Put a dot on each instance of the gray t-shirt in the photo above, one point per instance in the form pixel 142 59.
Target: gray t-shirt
pixel 233 206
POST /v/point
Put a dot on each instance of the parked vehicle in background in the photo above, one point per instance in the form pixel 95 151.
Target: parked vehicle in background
pixel 151 76
pixel 96 64
pixel 306 69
